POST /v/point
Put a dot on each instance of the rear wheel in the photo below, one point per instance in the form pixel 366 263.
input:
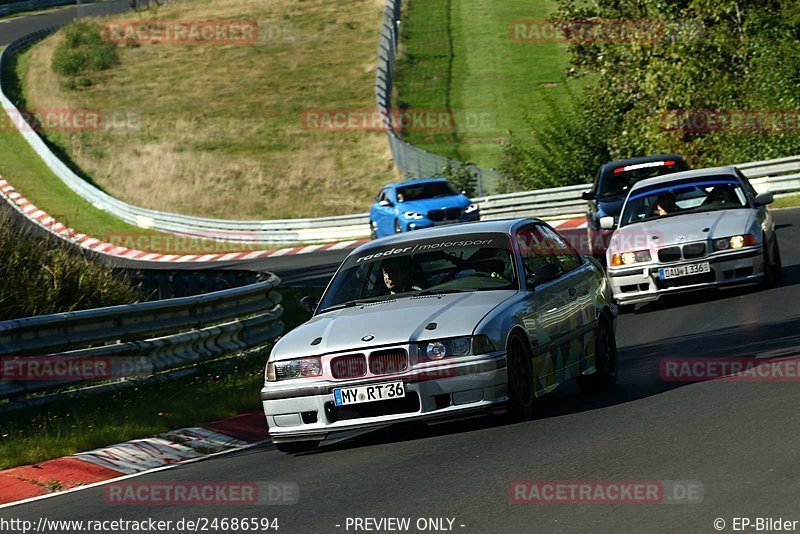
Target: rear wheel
pixel 605 359
pixel 521 397
pixel 373 230
pixel 296 447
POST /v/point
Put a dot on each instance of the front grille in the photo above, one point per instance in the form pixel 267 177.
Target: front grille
pixel 694 250
pixel 350 366
pixel 452 213
pixel 388 362
pixel 436 215
pixel 669 254
pixel 703 278
pixel 408 404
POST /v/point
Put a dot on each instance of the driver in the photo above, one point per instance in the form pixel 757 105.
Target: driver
pixel 396 278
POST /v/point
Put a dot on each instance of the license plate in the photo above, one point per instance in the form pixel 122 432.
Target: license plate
pixel 371 393
pixel 684 270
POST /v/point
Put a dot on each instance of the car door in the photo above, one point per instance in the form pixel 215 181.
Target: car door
pixel 384 215
pixel 543 313
pixel 578 302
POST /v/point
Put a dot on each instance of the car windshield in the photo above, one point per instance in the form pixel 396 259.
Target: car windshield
pixel 464 263
pixel 422 191
pixel 666 200
pixel 619 180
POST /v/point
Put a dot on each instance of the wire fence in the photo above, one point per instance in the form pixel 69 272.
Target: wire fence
pixel 412 161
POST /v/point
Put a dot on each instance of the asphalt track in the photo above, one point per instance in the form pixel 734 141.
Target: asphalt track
pixel 741 440
pixel 12 29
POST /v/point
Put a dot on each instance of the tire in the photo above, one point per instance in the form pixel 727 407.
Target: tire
pixel 373 230
pixel 772 268
pixel 297 447
pixel 521 396
pixel 398 228
pixel 606 360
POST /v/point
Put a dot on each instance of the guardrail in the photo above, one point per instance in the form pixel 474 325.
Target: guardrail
pixel 120 343
pixel 558 203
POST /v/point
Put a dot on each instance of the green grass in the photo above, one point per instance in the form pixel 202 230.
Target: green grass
pixel 459 55
pixel 791 201
pixel 58 429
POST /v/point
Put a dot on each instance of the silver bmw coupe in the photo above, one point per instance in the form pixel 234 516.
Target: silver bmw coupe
pixel 441 323
pixel 691 230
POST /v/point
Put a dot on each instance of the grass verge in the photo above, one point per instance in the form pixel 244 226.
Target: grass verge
pixel 791 201
pixel 54 430
pixel 459 55
pixel 222 130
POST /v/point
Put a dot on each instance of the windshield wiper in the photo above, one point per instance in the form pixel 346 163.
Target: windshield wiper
pixel 442 291
pixel 349 304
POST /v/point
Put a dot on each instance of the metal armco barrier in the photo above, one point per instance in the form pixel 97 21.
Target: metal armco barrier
pixel 780 176
pixel 139 340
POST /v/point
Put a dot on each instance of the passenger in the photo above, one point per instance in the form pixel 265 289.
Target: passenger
pixel 666 205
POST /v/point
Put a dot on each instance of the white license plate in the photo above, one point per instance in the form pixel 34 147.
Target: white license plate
pixel 371 393
pixel 684 270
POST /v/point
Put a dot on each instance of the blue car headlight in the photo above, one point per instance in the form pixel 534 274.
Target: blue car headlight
pixel 471 208
pixel 413 215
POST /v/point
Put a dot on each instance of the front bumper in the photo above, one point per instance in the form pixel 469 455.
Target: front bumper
pixel 634 285
pixel 450 390
pixel 420 224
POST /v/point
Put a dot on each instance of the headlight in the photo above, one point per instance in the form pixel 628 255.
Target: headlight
pixel 737 241
pixel 431 351
pixel 629 258
pixel 471 208
pixel 413 215
pixel 300 368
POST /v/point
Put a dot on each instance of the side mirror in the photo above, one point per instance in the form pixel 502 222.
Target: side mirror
pixel 607 223
pixel 308 304
pixel 587 195
pixel 546 273
pixel 385 203
pixel 765 198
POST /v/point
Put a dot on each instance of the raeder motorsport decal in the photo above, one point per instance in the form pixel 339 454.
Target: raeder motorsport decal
pixel 495 240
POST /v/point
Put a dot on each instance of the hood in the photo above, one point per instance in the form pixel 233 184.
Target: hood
pixel 692 227
pixel 428 204
pixel 610 206
pixel 390 322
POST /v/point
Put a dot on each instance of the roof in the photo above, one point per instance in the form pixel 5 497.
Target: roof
pixel 416 182
pixel 695 173
pixel 504 226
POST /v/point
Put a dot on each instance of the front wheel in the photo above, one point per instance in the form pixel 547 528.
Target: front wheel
pixel 373 230
pixel 605 359
pixel 521 396
pixel 397 227
pixel 773 267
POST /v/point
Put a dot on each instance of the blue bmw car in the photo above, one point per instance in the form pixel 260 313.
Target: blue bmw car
pixel 418 204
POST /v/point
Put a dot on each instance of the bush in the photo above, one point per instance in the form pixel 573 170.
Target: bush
pixel 462 177
pixel 41 276
pixel 83 52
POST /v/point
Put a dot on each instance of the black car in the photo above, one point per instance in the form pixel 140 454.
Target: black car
pixel 611 187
